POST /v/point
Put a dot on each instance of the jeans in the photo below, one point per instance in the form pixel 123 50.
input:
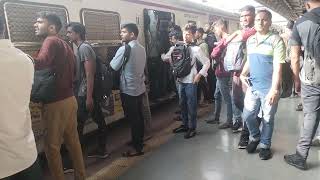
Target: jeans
pixel 237 98
pixel 132 106
pixel 179 91
pixel 311 109
pixel 254 100
pixel 223 91
pixel 188 93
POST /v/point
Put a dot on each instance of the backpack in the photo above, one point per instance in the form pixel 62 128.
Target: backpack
pixel 117 74
pixel 103 80
pixel 235 56
pixel 181 60
pixel 311 63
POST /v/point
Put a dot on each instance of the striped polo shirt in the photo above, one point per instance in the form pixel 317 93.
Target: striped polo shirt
pixel 262 52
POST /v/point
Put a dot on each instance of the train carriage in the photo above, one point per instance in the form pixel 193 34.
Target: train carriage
pixel 102 20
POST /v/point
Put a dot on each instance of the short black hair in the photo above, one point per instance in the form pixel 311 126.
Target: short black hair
pixel 78 28
pixel 200 30
pixel 249 8
pixel 190 27
pixel 1 25
pixel 131 28
pixel 176 28
pixel 176 34
pixel 53 19
pixel 267 12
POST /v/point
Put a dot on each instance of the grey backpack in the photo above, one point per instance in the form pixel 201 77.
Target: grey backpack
pixel 311 63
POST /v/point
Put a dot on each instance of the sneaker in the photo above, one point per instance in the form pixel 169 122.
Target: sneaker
pixel 315 142
pixel 191 133
pixel 225 125
pixel 265 154
pixel 101 154
pixel 296 160
pixel 243 143
pixel 67 170
pixel 237 127
pixel 213 121
pixel 252 146
pixel 180 129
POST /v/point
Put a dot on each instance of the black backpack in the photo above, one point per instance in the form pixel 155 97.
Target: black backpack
pixel 181 60
pixel 106 79
pixel 103 80
pixel 117 74
pixel 311 63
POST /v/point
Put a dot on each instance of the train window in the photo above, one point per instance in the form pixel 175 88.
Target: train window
pixel 193 23
pixel 101 26
pixel 20 17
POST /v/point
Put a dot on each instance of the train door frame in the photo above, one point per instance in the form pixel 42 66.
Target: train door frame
pixel 155 60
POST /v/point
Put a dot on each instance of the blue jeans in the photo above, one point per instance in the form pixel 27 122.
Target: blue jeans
pixel 179 91
pixel 311 110
pixel 188 93
pixel 223 91
pixel 253 101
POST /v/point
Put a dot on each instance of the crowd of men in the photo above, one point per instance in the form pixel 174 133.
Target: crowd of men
pixel 251 101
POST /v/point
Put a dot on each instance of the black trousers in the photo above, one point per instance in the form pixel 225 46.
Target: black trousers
pixel 132 106
pixel 211 79
pixel 202 87
pixel 31 173
pixel 97 117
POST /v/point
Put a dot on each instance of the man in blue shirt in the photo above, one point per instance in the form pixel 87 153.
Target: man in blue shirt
pixel 132 86
pixel 265 54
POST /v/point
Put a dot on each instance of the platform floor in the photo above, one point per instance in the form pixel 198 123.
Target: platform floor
pixel 213 155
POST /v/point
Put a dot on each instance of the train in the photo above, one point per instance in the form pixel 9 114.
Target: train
pixel 103 20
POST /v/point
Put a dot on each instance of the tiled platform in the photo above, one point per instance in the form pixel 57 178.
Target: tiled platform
pixel 213 155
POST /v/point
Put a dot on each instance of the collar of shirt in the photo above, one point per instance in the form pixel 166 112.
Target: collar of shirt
pixel 132 42
pixel 259 38
pixel 5 43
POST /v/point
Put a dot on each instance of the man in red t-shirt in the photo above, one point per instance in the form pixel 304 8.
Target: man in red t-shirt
pixel 60 114
pixel 247 15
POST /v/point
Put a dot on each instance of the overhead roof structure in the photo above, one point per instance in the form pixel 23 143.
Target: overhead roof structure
pixel 290 9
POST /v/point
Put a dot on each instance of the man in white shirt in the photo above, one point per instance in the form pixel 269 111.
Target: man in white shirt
pixel 188 84
pixel 18 152
pixel 174 38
